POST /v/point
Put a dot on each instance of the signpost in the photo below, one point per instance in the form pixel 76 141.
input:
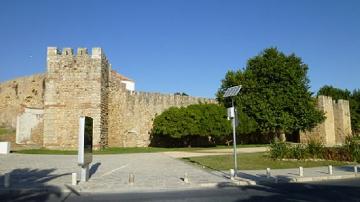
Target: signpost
pixel 85 146
pixel 232 92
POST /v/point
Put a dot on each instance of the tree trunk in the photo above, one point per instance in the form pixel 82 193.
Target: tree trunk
pixel 280 135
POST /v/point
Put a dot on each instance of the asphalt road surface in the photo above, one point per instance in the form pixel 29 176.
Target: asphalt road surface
pixel 335 190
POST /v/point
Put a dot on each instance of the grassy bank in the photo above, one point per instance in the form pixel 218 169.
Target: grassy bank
pixel 255 161
pixel 121 150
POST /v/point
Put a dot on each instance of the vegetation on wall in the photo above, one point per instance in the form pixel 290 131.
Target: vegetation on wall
pixel 275 96
pixel 188 123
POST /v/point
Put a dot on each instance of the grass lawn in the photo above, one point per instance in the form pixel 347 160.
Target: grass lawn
pixel 121 150
pixel 255 161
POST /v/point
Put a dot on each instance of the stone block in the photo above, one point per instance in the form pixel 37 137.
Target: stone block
pixel 5 147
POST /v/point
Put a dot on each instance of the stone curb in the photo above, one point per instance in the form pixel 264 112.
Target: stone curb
pixel 322 178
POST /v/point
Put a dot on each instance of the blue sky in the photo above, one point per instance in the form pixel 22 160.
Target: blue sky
pixel 185 45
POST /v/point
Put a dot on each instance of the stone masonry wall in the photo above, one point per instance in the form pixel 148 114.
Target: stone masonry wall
pixel 17 94
pixel 336 126
pixel 29 124
pixel 342 120
pixel 131 114
pixel 74 87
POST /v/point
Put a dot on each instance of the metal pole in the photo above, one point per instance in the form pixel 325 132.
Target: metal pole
pixel 234 138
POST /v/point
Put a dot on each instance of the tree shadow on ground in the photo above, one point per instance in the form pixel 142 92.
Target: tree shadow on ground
pixel 271 192
pixel 348 168
pixel 301 192
pixel 30 185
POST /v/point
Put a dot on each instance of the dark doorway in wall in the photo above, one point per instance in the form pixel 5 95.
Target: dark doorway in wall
pixel 293 137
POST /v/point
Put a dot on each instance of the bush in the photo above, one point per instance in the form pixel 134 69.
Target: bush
pixel 191 124
pixel 336 154
pixel 279 150
pixel 297 152
pixel 352 145
pixel 315 148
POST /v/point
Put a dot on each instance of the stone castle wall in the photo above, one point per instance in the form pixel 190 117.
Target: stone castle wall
pixel 342 120
pixel 74 86
pixel 335 127
pixel 131 114
pixel 84 85
pixel 19 93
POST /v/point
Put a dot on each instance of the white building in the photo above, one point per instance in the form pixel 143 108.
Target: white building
pixel 129 83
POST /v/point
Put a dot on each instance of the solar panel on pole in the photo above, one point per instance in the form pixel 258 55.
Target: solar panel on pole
pixel 232 91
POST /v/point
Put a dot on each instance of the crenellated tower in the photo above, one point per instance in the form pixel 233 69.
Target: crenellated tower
pixel 75 85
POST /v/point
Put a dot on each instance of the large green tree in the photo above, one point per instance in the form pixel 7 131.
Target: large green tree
pixel 275 93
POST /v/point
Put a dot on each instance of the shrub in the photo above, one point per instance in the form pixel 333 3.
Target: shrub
pixel 190 124
pixel 297 152
pixel 279 150
pixel 337 154
pixel 352 145
pixel 315 148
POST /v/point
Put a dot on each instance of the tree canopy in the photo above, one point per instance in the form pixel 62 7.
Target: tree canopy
pixel 335 93
pixel 194 120
pixel 275 93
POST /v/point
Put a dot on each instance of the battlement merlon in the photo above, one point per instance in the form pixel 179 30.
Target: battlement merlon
pixel 97 53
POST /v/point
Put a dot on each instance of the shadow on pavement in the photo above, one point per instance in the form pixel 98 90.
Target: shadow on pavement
pixel 226 192
pixel 349 169
pixel 302 192
pixel 94 168
pixel 30 185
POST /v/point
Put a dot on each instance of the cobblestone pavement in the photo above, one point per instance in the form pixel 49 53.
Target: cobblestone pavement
pixel 109 172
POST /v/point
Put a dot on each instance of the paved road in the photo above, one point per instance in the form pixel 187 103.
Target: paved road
pixel 336 190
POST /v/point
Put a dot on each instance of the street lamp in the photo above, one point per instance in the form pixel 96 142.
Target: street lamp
pixel 232 92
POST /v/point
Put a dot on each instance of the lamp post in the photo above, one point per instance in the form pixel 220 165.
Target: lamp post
pixel 232 92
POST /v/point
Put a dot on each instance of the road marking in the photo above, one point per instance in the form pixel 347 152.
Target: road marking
pixel 116 169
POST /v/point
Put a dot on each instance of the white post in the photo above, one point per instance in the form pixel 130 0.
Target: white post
pixel 84 173
pixel 355 170
pixel 73 179
pixel 186 178
pixel 301 171
pixel 131 178
pixel 330 170
pixel 7 180
pixel 268 173
pixel 232 174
